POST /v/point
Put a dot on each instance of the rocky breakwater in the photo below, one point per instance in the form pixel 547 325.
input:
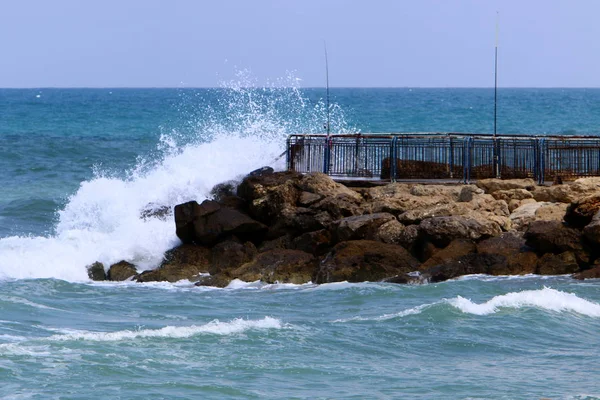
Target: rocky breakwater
pixel 288 227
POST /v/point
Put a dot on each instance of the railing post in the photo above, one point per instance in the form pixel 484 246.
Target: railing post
pixel 451 161
pixel 542 161
pixel 467 158
pixel 496 155
pixel 393 159
pixel 326 156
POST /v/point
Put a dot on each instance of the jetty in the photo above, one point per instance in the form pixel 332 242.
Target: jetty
pixel 446 156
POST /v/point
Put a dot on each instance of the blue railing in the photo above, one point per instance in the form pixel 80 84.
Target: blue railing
pixel 451 156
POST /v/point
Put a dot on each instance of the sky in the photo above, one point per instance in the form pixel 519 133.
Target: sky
pixel 374 43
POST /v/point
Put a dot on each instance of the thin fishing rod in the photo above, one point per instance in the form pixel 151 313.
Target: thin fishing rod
pixel 496 80
pixel 327 90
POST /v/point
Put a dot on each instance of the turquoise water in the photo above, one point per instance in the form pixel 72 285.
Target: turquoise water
pixel 77 166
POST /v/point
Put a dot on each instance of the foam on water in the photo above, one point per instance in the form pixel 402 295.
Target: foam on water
pixel 177 332
pixel 102 221
pixel 545 299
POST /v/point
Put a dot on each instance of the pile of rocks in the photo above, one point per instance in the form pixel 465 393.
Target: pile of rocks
pixel 289 227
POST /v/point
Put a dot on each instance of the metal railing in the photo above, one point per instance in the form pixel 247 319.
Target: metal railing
pixel 460 156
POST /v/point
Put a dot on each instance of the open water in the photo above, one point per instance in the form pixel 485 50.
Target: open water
pixel 78 166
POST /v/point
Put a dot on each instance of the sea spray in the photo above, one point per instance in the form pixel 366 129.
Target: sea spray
pixel 227 133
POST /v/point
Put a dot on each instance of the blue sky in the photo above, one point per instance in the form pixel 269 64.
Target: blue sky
pixel 199 43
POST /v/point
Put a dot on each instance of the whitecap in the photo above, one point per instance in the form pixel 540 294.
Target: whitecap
pixel 178 332
pixel 546 299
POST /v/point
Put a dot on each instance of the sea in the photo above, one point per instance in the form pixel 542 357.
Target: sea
pixel 79 166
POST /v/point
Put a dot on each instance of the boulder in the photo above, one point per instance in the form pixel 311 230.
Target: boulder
pixel 491 264
pixel 96 272
pixel 593 273
pixel 364 260
pixel 316 243
pixel 442 230
pixel 553 237
pixel 390 232
pixel 184 262
pixel 569 192
pixel 359 227
pixel 229 255
pixel 339 206
pixel 468 191
pixel 209 222
pixel 306 198
pixel 121 271
pixel 581 212
pixel 278 266
pixel 415 216
pixel 224 190
pixel 514 204
pixel 524 215
pixel 456 249
pixel 408 237
pixel 520 258
pixel 493 185
pixel 557 264
pixel 592 230
pixel 220 280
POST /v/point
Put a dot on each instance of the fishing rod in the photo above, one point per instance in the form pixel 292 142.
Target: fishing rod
pixel 328 128
pixel 496 150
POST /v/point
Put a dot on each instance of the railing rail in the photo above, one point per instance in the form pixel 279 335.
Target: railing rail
pixel 437 155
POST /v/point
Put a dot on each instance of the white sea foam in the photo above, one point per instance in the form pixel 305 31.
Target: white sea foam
pixel 546 299
pixel 178 332
pixel 102 221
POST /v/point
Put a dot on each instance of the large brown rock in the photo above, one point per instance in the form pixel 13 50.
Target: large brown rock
pixel 593 273
pixel 96 272
pixel 442 230
pixel 524 215
pixel 456 249
pixel 557 264
pixel 512 194
pixel 364 260
pixel 553 237
pixel 316 243
pixel 592 230
pixel 520 259
pixel 390 232
pixel 359 227
pixel 257 186
pixel 322 184
pixel 581 212
pixel 209 222
pixel 184 262
pixel 491 264
pixel 282 266
pixel 121 271
pixel 229 255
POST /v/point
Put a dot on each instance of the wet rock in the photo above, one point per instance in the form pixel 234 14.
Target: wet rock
pixel 121 271
pixel 316 243
pixel 229 255
pixel 96 272
pixel 456 249
pixel 278 266
pixel 209 222
pixel 592 230
pixel 152 210
pixel 491 264
pixel 224 190
pixel 184 262
pixel 408 237
pixel 364 260
pixel 263 171
pixel 219 281
pixel 359 227
pixel 557 264
pixel 552 237
pixel 520 258
pixel 593 273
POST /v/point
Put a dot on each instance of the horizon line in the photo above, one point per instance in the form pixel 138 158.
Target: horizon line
pixel 283 87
